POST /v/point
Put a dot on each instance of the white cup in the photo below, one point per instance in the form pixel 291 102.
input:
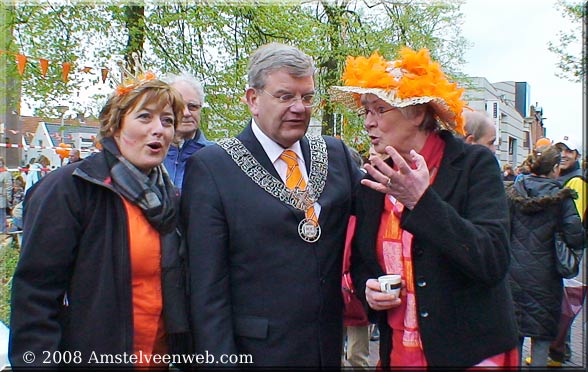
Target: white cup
pixel 390 284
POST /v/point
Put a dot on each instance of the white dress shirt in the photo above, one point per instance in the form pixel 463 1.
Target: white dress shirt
pixel 274 150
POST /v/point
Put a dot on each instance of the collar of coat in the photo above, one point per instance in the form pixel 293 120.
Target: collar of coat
pixel 528 204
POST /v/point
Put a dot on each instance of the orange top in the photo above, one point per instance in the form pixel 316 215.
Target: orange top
pixel 145 250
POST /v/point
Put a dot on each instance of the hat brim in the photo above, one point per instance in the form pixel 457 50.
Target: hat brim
pixel 349 96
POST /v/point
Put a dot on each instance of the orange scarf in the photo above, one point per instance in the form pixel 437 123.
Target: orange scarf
pixel 394 255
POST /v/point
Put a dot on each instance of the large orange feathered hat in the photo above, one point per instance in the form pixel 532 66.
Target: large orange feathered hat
pixel 412 79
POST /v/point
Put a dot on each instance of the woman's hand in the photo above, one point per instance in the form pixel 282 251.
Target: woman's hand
pixel 377 299
pixel 407 185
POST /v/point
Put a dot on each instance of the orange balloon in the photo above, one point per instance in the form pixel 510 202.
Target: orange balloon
pixel 63 150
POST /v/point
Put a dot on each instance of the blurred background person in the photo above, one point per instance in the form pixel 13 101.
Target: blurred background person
pixel 37 169
pixel 5 195
pixel 570 176
pixel 18 186
pixel 189 137
pixel 508 173
pixel 74 156
pixel 539 209
pixel 480 129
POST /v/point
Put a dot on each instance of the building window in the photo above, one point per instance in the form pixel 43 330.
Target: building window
pixel 527 142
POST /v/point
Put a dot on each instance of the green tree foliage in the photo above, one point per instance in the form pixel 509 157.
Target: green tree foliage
pixel 572 63
pixel 213 41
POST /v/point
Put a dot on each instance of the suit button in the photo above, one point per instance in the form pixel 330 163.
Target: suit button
pixel 421 282
pixel 419 252
pixel 424 313
pixel 323 281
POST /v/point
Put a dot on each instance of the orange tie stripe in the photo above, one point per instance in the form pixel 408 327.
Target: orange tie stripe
pixel 294 177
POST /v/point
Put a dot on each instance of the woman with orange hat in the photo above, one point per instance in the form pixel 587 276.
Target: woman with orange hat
pixel 434 212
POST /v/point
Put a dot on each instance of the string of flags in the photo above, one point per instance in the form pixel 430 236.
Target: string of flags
pixel 22 60
pixel 54 135
pixel 21 146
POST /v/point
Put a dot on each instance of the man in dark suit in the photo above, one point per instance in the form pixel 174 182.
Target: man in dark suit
pixel 265 236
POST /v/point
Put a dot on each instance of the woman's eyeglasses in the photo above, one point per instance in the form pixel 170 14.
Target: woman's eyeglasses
pixel 378 112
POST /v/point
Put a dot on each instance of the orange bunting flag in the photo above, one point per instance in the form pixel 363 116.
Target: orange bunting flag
pixel 44 66
pixel 21 62
pixel 66 68
pixel 86 69
pixel 104 74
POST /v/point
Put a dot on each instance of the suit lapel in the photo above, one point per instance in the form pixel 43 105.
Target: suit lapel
pixel 306 153
pixel 252 144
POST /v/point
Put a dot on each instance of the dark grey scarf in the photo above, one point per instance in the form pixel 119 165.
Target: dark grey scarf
pixel 153 193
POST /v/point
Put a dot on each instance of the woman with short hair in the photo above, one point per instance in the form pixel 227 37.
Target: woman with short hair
pixel 101 275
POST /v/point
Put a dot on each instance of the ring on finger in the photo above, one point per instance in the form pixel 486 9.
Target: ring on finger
pixel 389 183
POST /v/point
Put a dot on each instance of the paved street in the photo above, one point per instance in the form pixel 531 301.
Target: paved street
pixel 578 360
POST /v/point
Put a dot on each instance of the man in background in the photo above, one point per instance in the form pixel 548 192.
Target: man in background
pixel 74 156
pixel 189 137
pixel 480 129
pixel 571 176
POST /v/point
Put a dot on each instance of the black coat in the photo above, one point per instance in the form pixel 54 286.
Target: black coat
pixel 72 285
pixel 460 259
pixel 256 287
pixel 539 207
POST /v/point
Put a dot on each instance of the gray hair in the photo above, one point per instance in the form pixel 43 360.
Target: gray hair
pixel 188 78
pixel 429 123
pixel 275 56
pixel 477 124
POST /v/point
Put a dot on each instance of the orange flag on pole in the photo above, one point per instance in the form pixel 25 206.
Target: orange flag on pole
pixel 66 68
pixel 104 74
pixel 44 66
pixel 21 62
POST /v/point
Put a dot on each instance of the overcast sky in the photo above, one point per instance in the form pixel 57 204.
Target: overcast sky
pixel 510 40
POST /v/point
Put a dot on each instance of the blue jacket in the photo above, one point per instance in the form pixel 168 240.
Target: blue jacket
pixel 175 162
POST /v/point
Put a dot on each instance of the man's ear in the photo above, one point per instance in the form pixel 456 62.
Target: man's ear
pixel 251 98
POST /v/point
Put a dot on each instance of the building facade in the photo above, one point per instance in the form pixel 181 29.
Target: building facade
pixel 518 124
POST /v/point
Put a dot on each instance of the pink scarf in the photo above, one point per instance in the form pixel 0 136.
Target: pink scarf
pixel 394 254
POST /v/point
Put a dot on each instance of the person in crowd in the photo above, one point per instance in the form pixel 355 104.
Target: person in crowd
pixel 508 173
pixel 189 137
pixel 571 173
pixel 356 334
pixel 540 208
pixel 74 156
pixel 5 195
pixel 480 129
pixel 434 212
pixel 570 176
pixel 38 168
pixel 16 203
pixel 265 218
pixel 100 271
